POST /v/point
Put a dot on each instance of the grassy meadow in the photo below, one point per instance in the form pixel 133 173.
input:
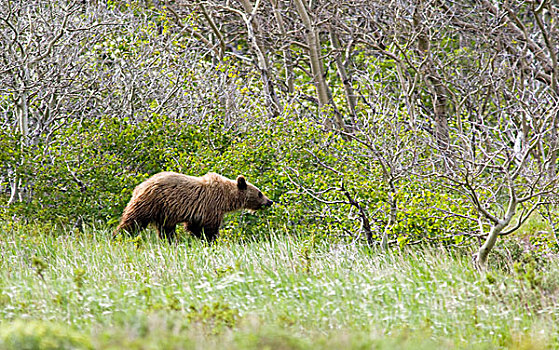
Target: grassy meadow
pixel 82 290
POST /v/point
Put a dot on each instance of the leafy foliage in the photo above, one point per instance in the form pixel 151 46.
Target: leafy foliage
pixel 37 335
pixel 93 166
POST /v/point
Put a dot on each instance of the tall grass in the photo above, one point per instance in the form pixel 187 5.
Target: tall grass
pixel 282 292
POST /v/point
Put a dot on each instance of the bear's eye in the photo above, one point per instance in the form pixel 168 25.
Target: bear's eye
pixel 259 194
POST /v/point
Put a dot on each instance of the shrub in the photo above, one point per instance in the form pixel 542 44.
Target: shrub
pixel 31 335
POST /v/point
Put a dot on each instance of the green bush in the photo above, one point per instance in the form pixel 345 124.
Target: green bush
pixel 38 335
pixel 88 171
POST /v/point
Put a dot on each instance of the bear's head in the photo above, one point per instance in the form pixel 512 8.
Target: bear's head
pixel 254 199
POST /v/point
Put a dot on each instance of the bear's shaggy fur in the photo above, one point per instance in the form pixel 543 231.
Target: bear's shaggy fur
pixel 167 199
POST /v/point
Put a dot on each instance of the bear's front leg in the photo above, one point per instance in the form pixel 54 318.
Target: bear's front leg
pixel 130 226
pixel 167 232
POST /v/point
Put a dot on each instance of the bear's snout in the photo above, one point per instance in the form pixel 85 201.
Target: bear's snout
pixel 269 203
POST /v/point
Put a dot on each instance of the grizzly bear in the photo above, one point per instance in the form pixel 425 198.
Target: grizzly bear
pixel 167 199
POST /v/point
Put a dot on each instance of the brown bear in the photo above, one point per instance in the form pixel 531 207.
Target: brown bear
pixel 167 199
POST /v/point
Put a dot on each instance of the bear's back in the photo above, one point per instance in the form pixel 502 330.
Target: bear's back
pixel 165 180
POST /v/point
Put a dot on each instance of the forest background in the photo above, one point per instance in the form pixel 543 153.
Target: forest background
pixel 383 127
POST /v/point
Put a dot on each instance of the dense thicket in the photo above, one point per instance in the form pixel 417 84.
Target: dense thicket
pixel 395 122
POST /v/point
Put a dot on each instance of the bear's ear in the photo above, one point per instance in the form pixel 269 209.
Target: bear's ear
pixel 241 183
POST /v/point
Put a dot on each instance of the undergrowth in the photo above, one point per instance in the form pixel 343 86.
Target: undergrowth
pixel 280 292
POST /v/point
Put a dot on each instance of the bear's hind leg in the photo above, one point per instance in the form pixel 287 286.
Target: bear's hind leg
pixel 195 229
pixel 210 233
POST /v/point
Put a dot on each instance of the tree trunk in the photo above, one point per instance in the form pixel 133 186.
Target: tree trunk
pixel 553 147
pixel 287 59
pixel 441 118
pixel 342 73
pixel 392 214
pixel 317 67
pixel 263 62
pixel 483 252
pixel 22 112
pixel 496 229
pixel 435 85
